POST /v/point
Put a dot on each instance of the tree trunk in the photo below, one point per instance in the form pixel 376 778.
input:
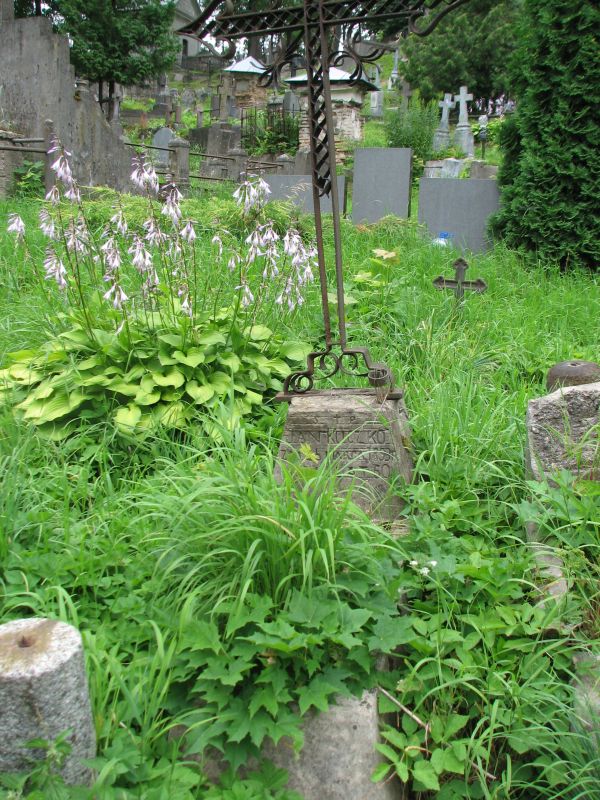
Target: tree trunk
pixel 254 47
pixel 38 8
pixel 111 101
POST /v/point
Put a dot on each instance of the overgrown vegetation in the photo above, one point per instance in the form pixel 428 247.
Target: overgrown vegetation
pixel 551 178
pixel 413 126
pixel 217 605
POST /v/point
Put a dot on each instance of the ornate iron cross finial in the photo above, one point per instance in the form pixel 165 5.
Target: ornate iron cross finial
pixel 459 284
pixel 309 26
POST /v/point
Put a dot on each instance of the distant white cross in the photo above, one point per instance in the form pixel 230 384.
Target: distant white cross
pixel 446 104
pixel 463 98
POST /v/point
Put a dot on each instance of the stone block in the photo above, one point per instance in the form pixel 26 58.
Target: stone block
pixel 368 439
pixel 382 181
pixel 43 693
pixel 481 170
pixel 562 433
pixel 339 754
pixel 297 189
pixel 572 373
pixel 460 207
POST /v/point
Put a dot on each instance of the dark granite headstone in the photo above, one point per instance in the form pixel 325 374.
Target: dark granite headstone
pixel 367 438
pixel 459 207
pixel 298 190
pixel 382 179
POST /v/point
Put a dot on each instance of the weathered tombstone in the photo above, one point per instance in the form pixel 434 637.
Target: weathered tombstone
pixel 291 103
pixel 393 79
pixel 441 137
pixel 188 98
pixel 297 189
pixel 368 439
pixel 444 168
pixel 215 106
pixel 563 433
pixel 339 754
pixel 572 373
pixel 406 93
pixel 376 102
pixel 480 170
pixel 43 694
pixel 162 138
pixel 463 135
pixel 199 117
pixel 460 207
pixel 382 181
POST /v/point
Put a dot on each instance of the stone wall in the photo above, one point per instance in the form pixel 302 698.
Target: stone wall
pixel 37 83
pixel 9 162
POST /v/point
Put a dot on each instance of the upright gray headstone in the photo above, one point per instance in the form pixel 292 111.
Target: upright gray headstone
pixel 463 135
pixel 382 180
pixel 291 103
pixel 441 137
pixel 376 104
pixel 44 693
pixel 297 189
pixel 162 138
pixel 460 208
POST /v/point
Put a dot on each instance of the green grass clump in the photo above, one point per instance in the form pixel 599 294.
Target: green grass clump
pixel 218 605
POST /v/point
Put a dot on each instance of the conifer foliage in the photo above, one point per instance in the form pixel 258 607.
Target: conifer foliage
pixel 550 195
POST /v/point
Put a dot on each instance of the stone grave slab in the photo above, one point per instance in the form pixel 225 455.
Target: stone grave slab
pixel 162 138
pixel 367 438
pixel 461 208
pixel 563 433
pixel 339 754
pixel 382 179
pixel 298 190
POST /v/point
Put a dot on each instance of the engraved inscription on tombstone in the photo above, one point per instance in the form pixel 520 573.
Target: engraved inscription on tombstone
pixel 368 439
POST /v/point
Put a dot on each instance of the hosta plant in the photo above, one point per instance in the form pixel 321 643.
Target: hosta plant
pixel 149 337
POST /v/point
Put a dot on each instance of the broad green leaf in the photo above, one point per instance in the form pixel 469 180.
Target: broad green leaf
pixel 424 773
pixel 127 417
pixel 380 771
pixel 295 351
pixel 173 378
pixel 259 333
pixel 23 374
pixel 144 398
pixel 122 387
pixel 192 358
pixel 231 361
pixel 59 405
pixel 213 337
pixel 200 394
pixel 171 338
pixel 171 416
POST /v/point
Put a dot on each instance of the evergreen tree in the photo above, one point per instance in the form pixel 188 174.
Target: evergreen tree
pixel 551 183
pixel 122 41
pixel 471 46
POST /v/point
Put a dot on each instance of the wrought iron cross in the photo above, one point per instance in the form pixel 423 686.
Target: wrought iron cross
pixel 459 284
pixel 310 25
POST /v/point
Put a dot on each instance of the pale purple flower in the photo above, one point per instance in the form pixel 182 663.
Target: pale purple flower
pixel 143 175
pixel 141 257
pixel 16 226
pixel 47 225
pixel 62 169
pixel 53 196
pixel 55 269
pixel 171 207
pixel 72 193
pixel 218 242
pixel 77 236
pixel 120 223
pixel 251 194
pixel 247 296
pixel 233 262
pixel 184 295
pixel 116 296
pixel 154 236
pixel 188 234
pixel 112 255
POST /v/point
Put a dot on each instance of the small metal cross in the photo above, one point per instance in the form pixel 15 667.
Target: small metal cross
pixel 459 284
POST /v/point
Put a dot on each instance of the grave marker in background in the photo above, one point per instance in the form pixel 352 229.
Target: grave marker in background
pixel 162 138
pixel 460 207
pixel 298 190
pixel 463 135
pixel 382 181
pixel 441 137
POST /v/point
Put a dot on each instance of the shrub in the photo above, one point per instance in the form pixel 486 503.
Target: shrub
pixel 413 127
pixel 550 196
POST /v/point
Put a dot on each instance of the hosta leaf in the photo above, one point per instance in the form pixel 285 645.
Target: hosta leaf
pixel 128 416
pixel 23 374
pixel 89 363
pixel 192 358
pixel 220 382
pixel 54 407
pixel 253 397
pixel 231 361
pixel 171 338
pixel 199 394
pixel 122 387
pixel 144 398
pixel 22 355
pixel 171 416
pixel 259 333
pixel 212 337
pixel 166 359
pixel 295 351
pixel 172 378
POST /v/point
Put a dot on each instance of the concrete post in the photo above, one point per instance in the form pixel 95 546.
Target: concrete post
pixel 43 693
pixel 49 176
pixel 7 10
pixel 199 117
pixel 179 163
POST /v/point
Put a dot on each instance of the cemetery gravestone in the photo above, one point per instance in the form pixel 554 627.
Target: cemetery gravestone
pixel 460 207
pixel 291 103
pixel 162 138
pixel 297 189
pixel 563 433
pixel 367 437
pixel 463 135
pixel 376 102
pixel 43 693
pixel 382 181
pixel 441 137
